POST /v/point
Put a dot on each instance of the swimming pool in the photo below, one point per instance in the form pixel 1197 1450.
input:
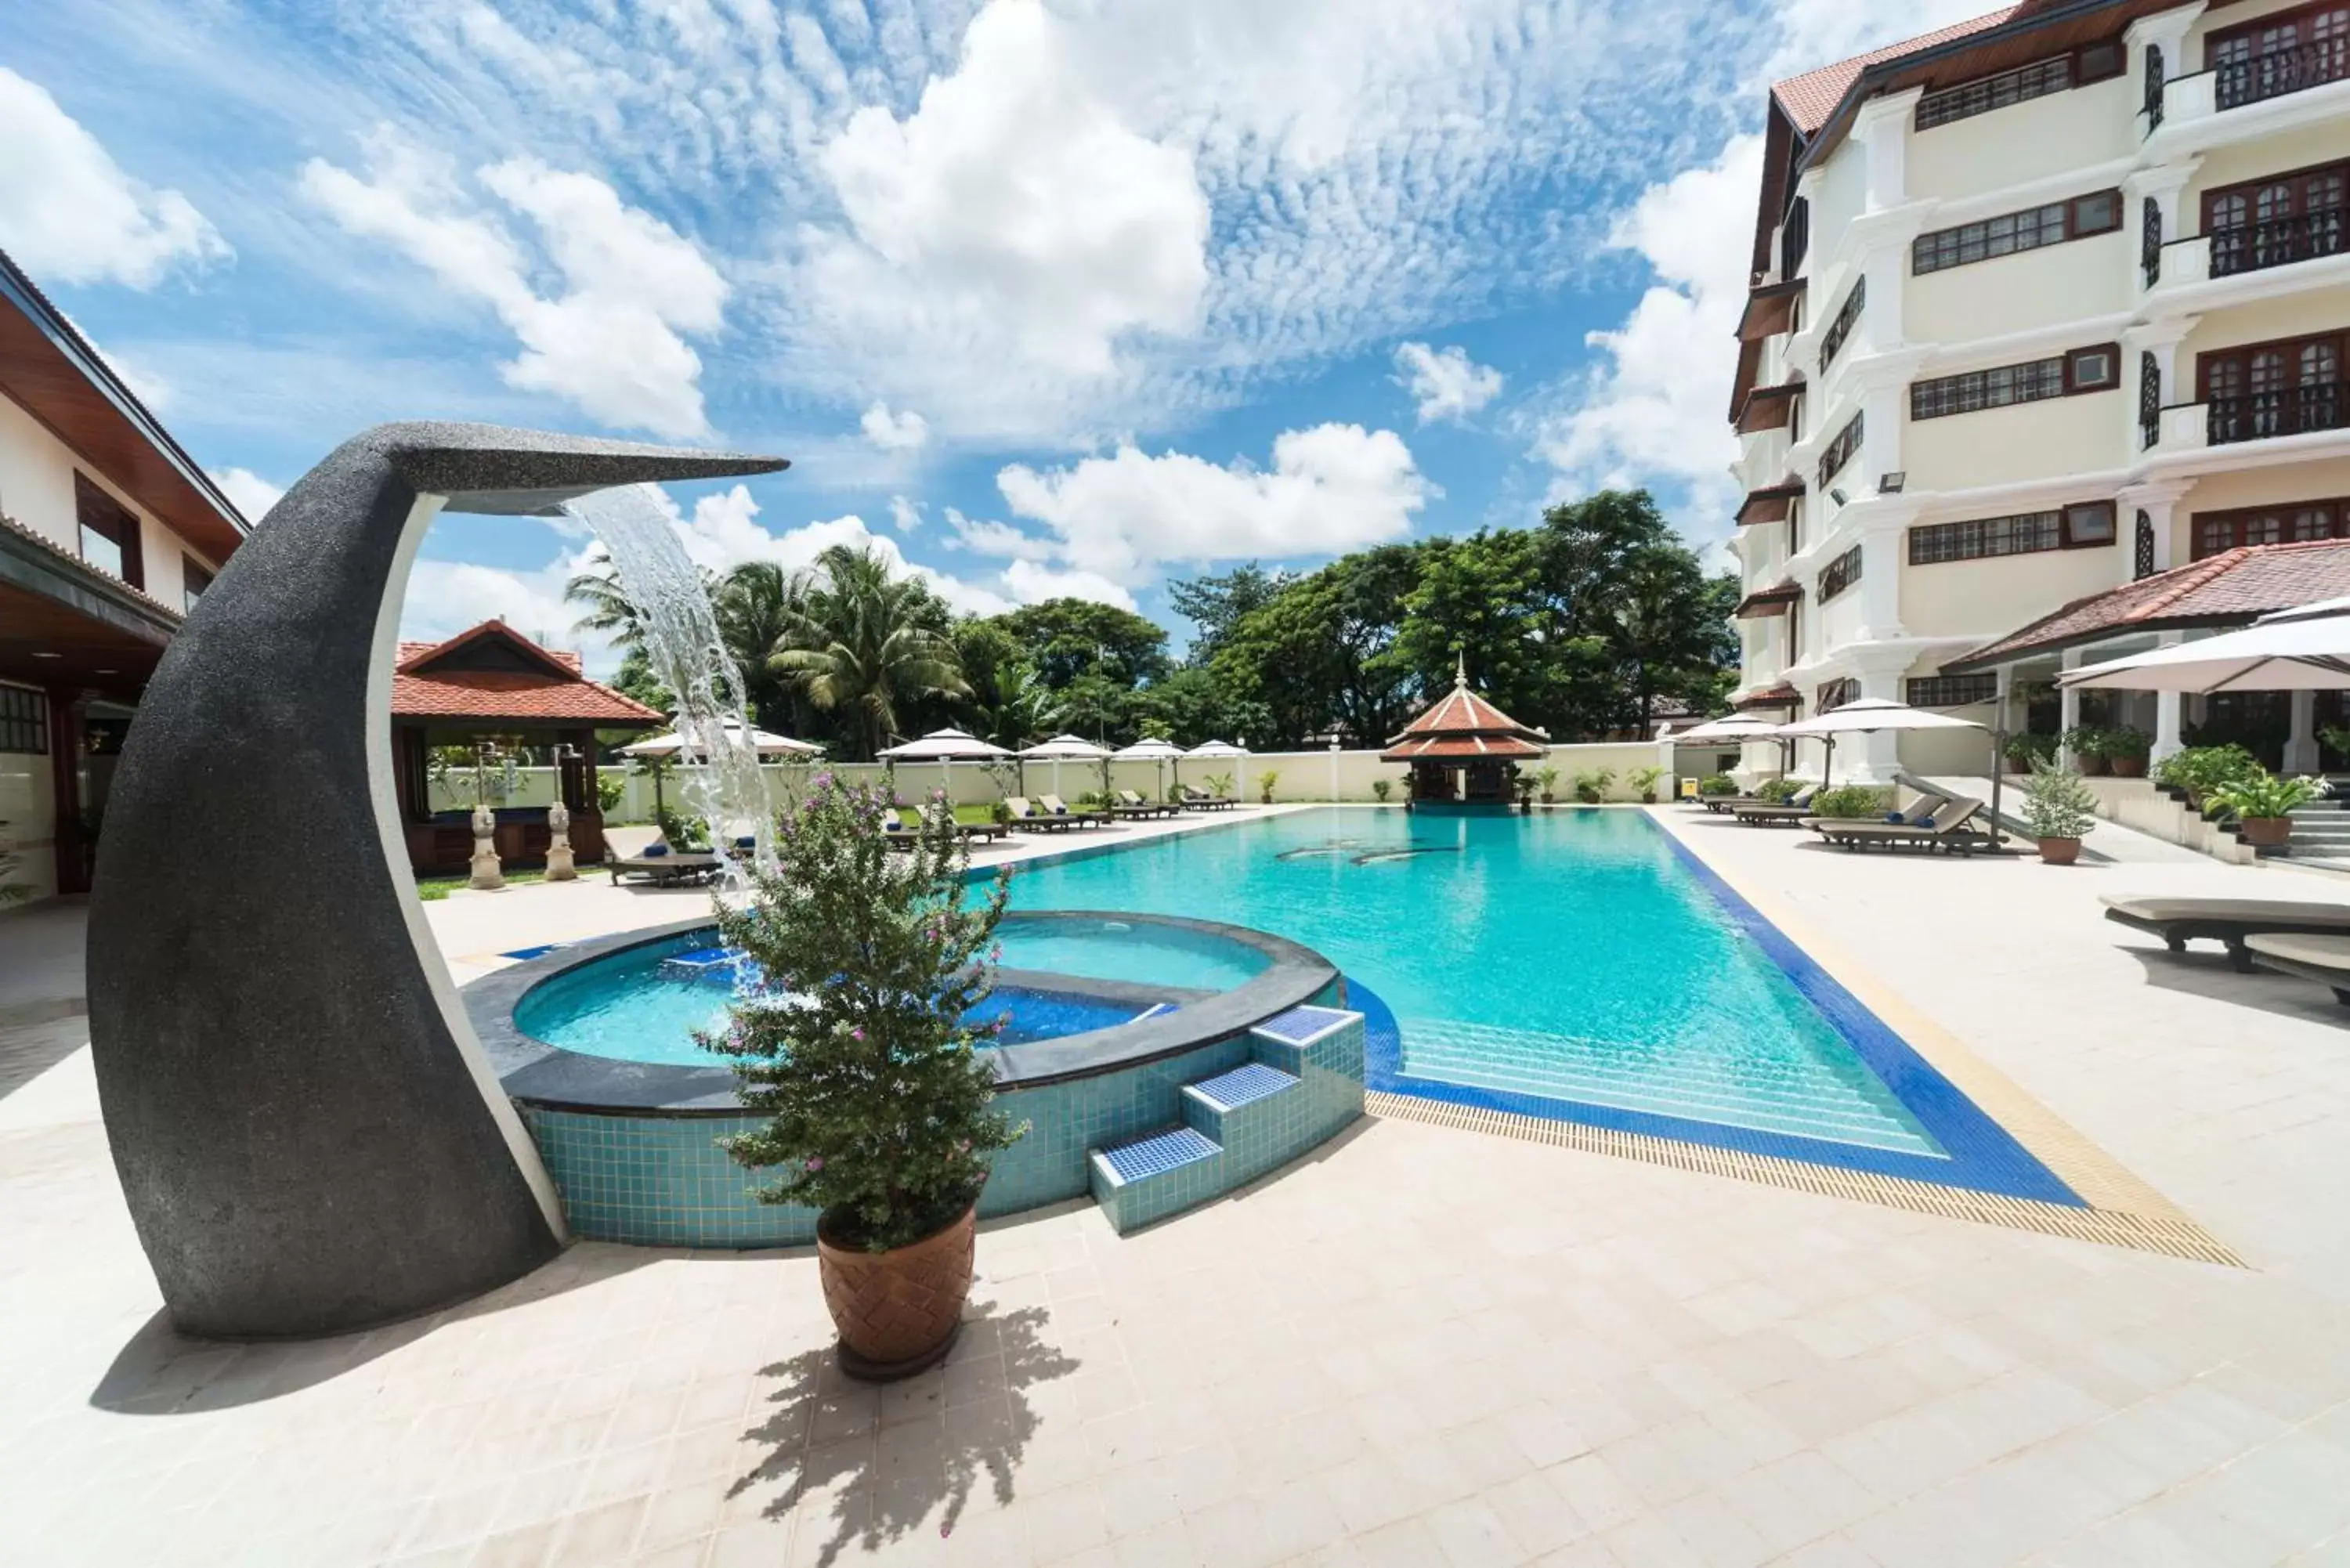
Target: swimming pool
pixel 1574 964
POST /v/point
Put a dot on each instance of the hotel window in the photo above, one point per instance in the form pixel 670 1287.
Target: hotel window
pixel 108 534
pixel 1951 690
pixel 2063 374
pixel 2080 526
pixel 2277 219
pixel 1839 574
pixel 2097 213
pixel 2280 389
pixel 1832 344
pixel 1794 238
pixel 2289 51
pixel 193 581
pixel 2095 63
pixel 2302 520
pixel 1840 451
pixel 24 721
pixel 1830 695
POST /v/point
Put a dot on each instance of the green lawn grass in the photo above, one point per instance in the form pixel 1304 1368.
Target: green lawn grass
pixel 430 889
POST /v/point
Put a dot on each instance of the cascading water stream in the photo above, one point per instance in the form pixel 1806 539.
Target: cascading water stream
pixel 718 760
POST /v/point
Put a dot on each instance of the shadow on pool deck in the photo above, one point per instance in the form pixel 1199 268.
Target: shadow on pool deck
pixel 886 1457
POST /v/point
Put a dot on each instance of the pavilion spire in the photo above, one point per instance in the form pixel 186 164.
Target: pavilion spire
pixel 1460 670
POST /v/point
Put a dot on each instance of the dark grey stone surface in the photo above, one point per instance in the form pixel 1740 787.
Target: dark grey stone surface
pixel 303 1145
pixel 552 1078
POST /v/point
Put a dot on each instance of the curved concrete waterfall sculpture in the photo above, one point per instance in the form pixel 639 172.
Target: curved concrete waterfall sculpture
pixel 309 1136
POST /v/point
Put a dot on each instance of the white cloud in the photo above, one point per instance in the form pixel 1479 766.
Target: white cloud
pixel 1033 584
pixel 446 597
pixel 894 432
pixel 1446 383
pixel 610 341
pixel 69 214
pixel 247 491
pixel 1331 488
pixel 904 514
pixel 723 531
pixel 1006 237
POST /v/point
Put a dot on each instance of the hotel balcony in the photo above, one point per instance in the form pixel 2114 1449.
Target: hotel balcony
pixel 2310 409
pixel 2251 248
pixel 2287 87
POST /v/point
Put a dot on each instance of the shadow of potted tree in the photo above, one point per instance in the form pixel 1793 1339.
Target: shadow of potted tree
pixel 856 1049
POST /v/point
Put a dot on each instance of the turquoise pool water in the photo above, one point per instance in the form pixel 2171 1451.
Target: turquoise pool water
pixel 1568 956
pixel 645 1004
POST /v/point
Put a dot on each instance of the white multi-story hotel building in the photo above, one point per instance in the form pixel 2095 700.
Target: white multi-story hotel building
pixel 2043 303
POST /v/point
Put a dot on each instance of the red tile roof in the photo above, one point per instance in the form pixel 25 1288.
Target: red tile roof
pixel 1464 724
pixel 67 558
pixel 1810 99
pixel 2231 589
pixel 557 692
pixel 1780 696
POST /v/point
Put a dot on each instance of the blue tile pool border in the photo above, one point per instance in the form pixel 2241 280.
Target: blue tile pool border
pixel 1983 1157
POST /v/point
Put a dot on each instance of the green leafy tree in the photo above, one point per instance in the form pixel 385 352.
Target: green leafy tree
pixel 756 604
pixel 1197 704
pixel 1065 639
pixel 866 649
pixel 1215 606
pixel 636 680
pixel 608 610
pixel 859 1046
pixel 1023 710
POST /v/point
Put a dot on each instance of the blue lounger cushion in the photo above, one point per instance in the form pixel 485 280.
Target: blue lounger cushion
pixel 653 851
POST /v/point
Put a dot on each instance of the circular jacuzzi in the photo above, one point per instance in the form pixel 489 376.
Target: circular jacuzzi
pixel 1115 1024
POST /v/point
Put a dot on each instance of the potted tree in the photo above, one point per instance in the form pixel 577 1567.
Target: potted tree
pixel 1382 789
pixel 1644 780
pixel 1716 784
pixel 1591 785
pixel 2059 810
pixel 2087 744
pixel 1852 803
pixel 857 1049
pixel 2125 751
pixel 2265 803
pixel 1265 783
pixel 1548 778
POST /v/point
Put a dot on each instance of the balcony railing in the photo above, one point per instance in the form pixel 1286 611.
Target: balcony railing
pixel 2278 242
pixel 2296 69
pixel 2288 411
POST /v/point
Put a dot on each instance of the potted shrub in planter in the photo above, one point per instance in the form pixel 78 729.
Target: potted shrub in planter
pixel 1265 783
pixel 1716 784
pixel 2022 751
pixel 2059 810
pixel 1853 802
pixel 2200 770
pixel 1591 785
pixel 1548 778
pixel 2125 751
pixel 2264 806
pixel 1382 789
pixel 1777 792
pixel 857 1051
pixel 2087 744
pixel 1643 781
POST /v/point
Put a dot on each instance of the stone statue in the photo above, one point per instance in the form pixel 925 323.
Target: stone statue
pixel 487 875
pixel 310 1138
pixel 559 867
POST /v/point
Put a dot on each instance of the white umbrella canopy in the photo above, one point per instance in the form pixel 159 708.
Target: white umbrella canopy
pixel 769 745
pixel 1064 749
pixel 1158 753
pixel 944 746
pixel 1731 727
pixel 2305 649
pixel 1870 714
pixel 1206 749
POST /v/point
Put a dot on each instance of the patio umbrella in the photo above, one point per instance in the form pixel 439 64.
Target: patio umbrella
pixel 1738 728
pixel 1064 748
pixel 1868 716
pixel 769 745
pixel 946 748
pixel 1157 753
pixel 2303 650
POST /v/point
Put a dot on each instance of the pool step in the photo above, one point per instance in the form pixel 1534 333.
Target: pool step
pixel 1302 1083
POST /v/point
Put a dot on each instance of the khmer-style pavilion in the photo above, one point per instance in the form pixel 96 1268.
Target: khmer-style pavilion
pixel 1463 750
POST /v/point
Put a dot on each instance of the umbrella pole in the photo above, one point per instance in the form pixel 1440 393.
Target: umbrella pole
pixel 1827 761
pixel 1998 755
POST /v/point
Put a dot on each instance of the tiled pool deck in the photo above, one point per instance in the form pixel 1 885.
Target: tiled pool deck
pixel 1422 1345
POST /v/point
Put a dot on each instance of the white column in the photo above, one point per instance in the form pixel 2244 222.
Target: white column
pixel 1882 128
pixel 1873 759
pixel 2301 749
pixel 2164 182
pixel 2068 712
pixel 2159 501
pixel 2169 714
pixel 2165 30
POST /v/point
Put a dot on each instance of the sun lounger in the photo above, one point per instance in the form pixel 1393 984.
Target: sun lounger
pixel 1951 827
pixel 2229 921
pixel 663 867
pixel 1129 804
pixel 1740 805
pixel 2325 960
pixel 1024 815
pixel 1058 807
pixel 898 830
pixel 1199 802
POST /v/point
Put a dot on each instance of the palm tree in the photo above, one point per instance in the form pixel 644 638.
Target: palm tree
pixel 609 610
pixel 863 647
pixel 1024 708
pixel 755 603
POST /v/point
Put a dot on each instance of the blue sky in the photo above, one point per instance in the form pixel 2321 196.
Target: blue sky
pixel 1043 295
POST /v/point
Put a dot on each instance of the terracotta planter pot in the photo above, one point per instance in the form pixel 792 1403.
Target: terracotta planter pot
pixel 2060 851
pixel 2126 767
pixel 1549 799
pixel 2089 767
pixel 1649 797
pixel 898 1311
pixel 2264 831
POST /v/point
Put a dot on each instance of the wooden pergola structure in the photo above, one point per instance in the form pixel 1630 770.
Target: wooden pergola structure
pixel 491 681
pixel 1464 752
